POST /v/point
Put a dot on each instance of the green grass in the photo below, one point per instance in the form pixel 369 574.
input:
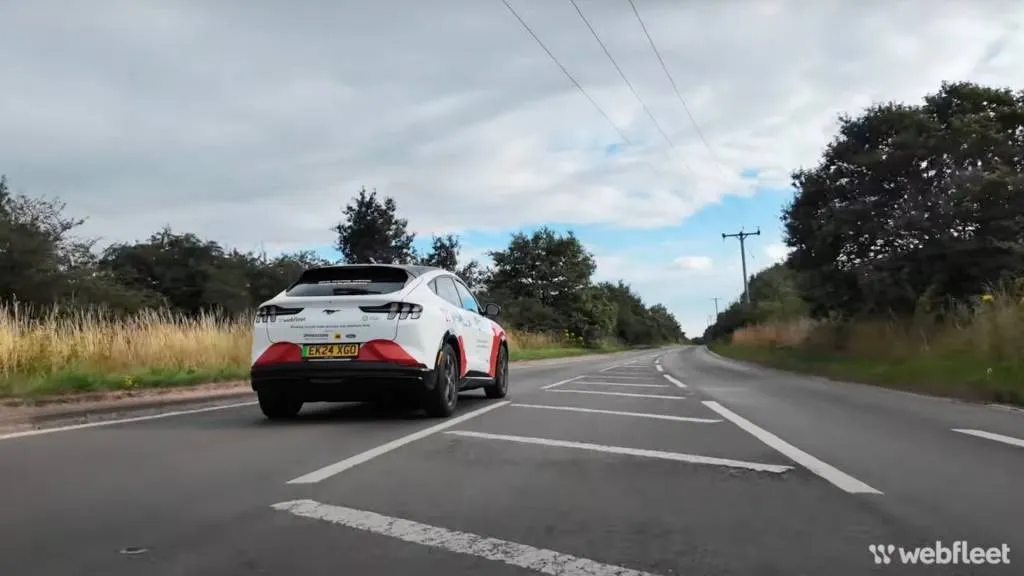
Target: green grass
pixel 556 352
pixel 961 376
pixel 70 382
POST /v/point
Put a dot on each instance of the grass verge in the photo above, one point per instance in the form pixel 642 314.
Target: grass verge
pixel 71 352
pixel 972 352
pixel 965 378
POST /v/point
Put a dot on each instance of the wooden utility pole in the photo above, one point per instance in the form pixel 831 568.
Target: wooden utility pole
pixel 743 256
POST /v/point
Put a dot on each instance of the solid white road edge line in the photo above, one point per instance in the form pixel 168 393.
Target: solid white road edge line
pixel 671 379
pixel 658 454
pixel 559 383
pixel 635 384
pixel 837 477
pixel 622 413
pixel 659 368
pixel 537 559
pixel 339 467
pixel 630 394
pixel 122 420
pixel 991 436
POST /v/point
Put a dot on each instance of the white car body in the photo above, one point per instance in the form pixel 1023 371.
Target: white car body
pixel 386 327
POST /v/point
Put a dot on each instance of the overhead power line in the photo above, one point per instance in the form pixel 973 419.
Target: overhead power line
pixel 566 72
pixel 626 80
pixel 675 87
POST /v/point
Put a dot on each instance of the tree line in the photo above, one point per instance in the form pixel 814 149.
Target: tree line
pixel 912 208
pixel 543 281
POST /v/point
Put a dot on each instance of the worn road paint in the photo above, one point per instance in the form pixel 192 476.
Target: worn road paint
pixel 339 467
pixel 672 379
pixel 991 436
pixel 658 454
pixel 837 477
pixel 512 553
pixel 622 413
pixel 617 377
pixel 630 394
pixel 635 384
pixel 559 383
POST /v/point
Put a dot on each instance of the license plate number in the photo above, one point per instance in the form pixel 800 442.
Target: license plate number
pixel 327 351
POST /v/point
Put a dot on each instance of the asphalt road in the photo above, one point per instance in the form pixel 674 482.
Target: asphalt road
pixel 655 462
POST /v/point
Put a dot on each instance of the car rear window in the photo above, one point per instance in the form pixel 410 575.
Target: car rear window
pixel 347 281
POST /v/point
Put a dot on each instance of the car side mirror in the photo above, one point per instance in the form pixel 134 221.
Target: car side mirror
pixel 492 310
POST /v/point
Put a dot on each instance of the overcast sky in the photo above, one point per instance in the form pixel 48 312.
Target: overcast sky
pixel 253 122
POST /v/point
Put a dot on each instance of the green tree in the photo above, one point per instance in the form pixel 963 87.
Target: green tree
pixel 42 262
pixel 912 205
pixel 444 253
pixel 266 277
pixel 190 274
pixel 372 232
pixel 547 267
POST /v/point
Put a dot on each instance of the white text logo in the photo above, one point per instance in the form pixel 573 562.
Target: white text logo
pixel 958 553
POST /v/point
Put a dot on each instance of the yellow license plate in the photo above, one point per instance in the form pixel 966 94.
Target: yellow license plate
pixel 319 351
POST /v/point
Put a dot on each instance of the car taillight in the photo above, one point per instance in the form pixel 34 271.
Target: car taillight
pixel 400 310
pixel 271 312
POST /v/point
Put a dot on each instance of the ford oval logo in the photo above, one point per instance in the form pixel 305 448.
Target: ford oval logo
pixel 350 335
pixel 329 311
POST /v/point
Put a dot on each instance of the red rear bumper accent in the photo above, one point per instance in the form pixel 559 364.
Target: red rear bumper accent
pixel 386 351
pixel 280 353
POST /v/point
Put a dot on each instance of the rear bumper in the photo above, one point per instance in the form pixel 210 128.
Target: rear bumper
pixel 350 381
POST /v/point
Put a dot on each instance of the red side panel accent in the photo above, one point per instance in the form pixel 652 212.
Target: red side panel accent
pixel 280 353
pixel 462 357
pixel 386 351
pixel 497 335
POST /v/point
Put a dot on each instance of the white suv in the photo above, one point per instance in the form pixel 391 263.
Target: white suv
pixel 367 332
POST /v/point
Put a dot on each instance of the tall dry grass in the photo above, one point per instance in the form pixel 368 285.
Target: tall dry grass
pixel 978 345
pixel 73 350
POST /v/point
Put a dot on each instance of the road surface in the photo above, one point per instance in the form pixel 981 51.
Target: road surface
pixel 667 462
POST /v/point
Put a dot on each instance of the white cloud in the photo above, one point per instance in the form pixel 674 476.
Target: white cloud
pixel 698 263
pixel 256 123
pixel 777 252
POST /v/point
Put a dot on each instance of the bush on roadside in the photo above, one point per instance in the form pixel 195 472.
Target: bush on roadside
pixel 973 349
pixel 65 350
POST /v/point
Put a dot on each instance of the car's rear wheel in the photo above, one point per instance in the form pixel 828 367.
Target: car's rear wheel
pixel 442 398
pixel 499 389
pixel 277 406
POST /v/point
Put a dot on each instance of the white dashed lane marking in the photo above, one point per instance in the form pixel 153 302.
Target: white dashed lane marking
pixel 630 394
pixel 512 553
pixel 616 377
pixel 634 384
pixel 837 477
pixel 991 436
pixel 559 383
pixel 674 381
pixel 657 454
pixel 339 467
pixel 622 413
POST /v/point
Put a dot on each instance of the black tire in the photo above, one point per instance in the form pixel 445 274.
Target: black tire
pixel 278 406
pixel 442 398
pixel 499 389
